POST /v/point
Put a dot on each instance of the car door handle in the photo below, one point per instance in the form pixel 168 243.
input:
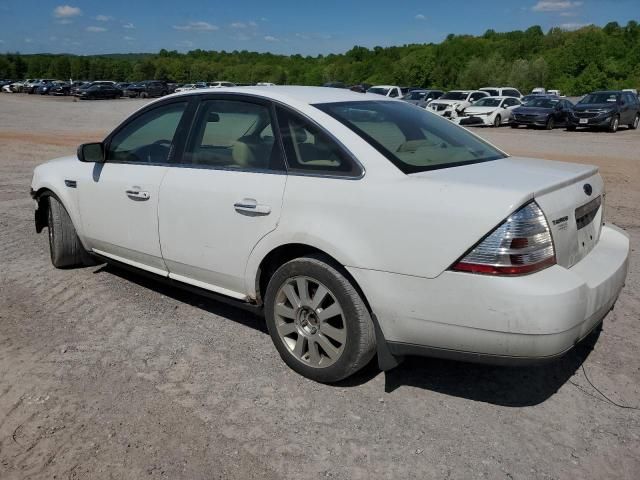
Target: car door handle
pixel 251 206
pixel 136 194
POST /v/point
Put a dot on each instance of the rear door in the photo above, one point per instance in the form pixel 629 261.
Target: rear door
pixel 225 195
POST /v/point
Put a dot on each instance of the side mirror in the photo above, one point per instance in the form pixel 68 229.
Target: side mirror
pixel 91 152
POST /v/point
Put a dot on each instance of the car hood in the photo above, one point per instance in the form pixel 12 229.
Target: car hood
pixel 447 102
pixel 450 209
pixel 472 109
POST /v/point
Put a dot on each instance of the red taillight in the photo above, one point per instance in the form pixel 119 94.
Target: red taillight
pixel 521 244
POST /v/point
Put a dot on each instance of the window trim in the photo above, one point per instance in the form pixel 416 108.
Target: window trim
pixel 360 170
pixel 177 142
pixel 199 99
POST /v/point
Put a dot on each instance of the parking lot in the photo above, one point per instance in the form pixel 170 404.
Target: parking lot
pixel 104 374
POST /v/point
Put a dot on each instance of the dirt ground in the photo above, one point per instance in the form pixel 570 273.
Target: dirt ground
pixel 104 374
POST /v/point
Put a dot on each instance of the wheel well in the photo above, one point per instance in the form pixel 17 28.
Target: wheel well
pixel 285 253
pixel 42 197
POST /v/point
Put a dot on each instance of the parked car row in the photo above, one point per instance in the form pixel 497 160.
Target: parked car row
pixel 106 88
pixel 496 106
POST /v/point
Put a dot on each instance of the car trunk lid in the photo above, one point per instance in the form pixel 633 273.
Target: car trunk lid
pixel 570 195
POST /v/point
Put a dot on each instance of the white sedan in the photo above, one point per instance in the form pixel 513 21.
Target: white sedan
pixel 452 103
pixel 489 111
pixel 357 224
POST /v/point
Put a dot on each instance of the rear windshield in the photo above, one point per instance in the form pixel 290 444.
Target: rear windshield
pixel 413 139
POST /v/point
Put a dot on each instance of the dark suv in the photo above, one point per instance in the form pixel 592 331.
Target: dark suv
pixel 607 109
pixel 148 88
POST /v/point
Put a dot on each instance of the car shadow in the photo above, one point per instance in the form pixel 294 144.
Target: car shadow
pixel 236 314
pixel 504 386
pixel 498 385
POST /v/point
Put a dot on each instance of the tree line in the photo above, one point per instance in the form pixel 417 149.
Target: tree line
pixel 575 62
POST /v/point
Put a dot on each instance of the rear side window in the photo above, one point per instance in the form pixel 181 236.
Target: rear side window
pixel 310 150
pixel 234 134
pixel 148 137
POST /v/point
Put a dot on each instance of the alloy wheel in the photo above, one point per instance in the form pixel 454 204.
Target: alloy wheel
pixel 310 321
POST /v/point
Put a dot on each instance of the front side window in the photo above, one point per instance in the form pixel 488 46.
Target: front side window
pixel 233 134
pixel 148 137
pixel 413 139
pixel 310 150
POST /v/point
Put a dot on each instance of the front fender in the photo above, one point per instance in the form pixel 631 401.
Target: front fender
pixel 58 178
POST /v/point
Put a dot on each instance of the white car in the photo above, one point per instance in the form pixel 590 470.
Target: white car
pixel 538 91
pixel 489 111
pixel 220 84
pixel 357 224
pixel 186 87
pixel 452 103
pixel 502 91
pixel 390 91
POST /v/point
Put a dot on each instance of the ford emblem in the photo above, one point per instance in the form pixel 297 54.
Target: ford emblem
pixel 587 189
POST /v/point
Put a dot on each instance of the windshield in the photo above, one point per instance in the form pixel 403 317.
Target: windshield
pixel 415 95
pixel 413 139
pixel 600 98
pixel 454 96
pixel 378 90
pixel 487 102
pixel 542 103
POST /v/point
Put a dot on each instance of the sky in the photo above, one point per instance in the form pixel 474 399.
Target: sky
pixel 284 27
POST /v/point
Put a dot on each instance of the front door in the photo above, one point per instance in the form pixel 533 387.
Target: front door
pixel 119 203
pixel 224 197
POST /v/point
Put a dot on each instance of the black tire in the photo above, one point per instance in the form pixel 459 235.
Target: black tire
pixel 359 346
pixel 64 245
pixel 514 125
pixel 614 124
pixel 571 128
pixel 497 121
pixel 550 124
pixel 636 121
pixel 144 95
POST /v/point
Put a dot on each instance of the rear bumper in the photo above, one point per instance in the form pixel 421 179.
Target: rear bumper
pixel 502 320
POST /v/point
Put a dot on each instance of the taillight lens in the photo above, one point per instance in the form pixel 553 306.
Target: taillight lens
pixel 521 244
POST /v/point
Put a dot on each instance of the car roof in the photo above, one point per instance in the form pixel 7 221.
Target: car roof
pixel 384 86
pixel 294 94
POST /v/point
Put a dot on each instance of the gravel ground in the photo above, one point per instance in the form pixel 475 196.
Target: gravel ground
pixel 104 374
